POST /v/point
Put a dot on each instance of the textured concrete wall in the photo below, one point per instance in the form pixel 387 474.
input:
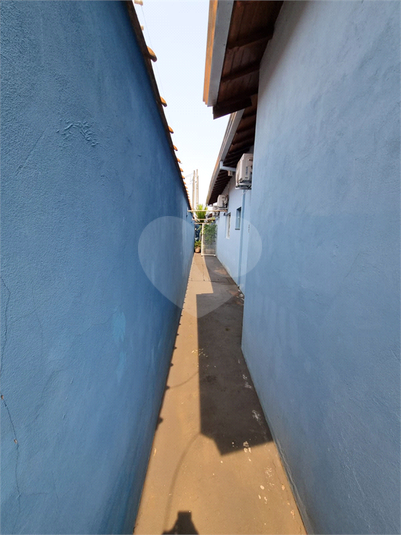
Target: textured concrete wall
pixel 87 338
pixel 231 250
pixel 321 322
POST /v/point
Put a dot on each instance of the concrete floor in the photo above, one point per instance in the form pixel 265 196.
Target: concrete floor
pixel 214 467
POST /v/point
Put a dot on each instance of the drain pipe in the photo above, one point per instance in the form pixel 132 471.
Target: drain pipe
pixel 241 237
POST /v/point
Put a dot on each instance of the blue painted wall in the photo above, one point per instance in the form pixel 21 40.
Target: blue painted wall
pixel 322 308
pixel 232 251
pixel 87 338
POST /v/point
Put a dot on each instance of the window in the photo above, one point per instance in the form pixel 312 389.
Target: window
pixel 238 219
pixel 228 225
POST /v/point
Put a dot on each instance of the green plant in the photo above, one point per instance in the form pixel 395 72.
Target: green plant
pixel 200 212
pixel 197 243
pixel 209 233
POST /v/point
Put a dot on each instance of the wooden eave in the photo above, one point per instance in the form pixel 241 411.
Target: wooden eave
pixel 240 142
pixel 251 27
pixel 149 56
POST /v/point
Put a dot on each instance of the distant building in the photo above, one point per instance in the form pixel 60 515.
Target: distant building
pixel 319 86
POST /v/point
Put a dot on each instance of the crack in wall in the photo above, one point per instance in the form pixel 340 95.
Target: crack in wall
pixel 3 348
pixel 17 458
pixel 40 323
pixel 55 490
pixel 34 311
pixel 30 153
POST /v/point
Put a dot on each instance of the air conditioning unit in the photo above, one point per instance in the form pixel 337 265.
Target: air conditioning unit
pixel 243 175
pixel 222 201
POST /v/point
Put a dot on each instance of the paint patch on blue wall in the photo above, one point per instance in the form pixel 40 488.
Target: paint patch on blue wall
pixel 119 323
pixel 121 365
pixel 86 337
pixel 69 129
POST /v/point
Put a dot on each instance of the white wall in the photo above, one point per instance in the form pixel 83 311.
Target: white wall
pixel 229 249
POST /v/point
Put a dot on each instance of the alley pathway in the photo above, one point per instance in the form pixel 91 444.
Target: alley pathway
pixel 214 468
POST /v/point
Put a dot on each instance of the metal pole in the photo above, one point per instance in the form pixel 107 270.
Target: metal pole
pixel 197 188
pixel 241 240
pixel 193 192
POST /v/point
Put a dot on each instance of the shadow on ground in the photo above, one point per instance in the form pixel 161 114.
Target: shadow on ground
pixel 230 410
pixel 183 524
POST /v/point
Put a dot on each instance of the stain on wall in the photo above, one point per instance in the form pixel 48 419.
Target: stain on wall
pixel 322 309
pixel 86 337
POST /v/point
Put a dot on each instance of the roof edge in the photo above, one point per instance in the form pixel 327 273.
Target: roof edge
pixel 218 27
pixel 136 27
pixel 231 129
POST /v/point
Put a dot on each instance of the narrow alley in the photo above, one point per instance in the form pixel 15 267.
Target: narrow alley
pixel 214 467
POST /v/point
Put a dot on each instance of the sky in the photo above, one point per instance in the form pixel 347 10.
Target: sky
pixel 176 30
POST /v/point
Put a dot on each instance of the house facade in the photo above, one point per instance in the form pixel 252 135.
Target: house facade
pixel 232 217
pixel 89 185
pixel 321 323
pixel 233 229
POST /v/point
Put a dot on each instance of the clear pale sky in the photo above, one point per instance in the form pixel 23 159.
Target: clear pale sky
pixel 176 30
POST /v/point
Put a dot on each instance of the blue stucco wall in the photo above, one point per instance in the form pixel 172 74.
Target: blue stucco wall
pixel 322 308
pixel 232 251
pixel 87 338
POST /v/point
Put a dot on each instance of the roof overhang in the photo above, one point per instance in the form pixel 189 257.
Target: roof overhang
pixel 228 138
pixel 238 33
pixel 217 34
pixel 238 139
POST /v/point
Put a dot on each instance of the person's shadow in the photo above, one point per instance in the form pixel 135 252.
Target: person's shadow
pixel 183 524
